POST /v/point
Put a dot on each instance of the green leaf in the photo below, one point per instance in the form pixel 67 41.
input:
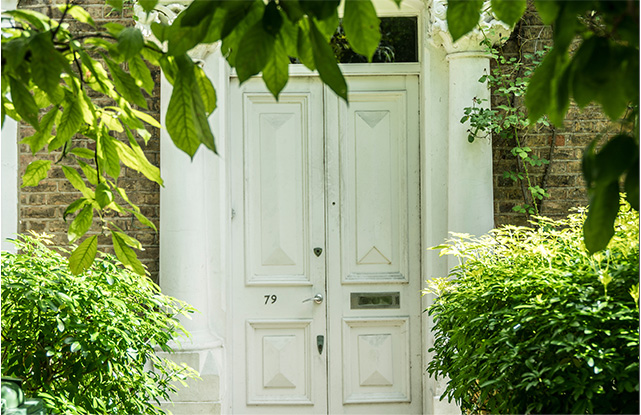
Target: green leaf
pixel 276 71
pixel 539 96
pixel 631 185
pixel 126 84
pixel 74 207
pixel 70 122
pixel 42 137
pixel 99 80
pixel 104 196
pixel 183 38
pixel 76 181
pixel 362 27
pixel 130 42
pixel 140 160
pixel 462 16
pixel 254 50
pixel 126 255
pixel 141 74
pixel 320 9
pixel 24 102
pixel 616 156
pixel 207 91
pixel 196 12
pixel 304 45
pixel 184 125
pixel 132 242
pixel 90 173
pixel 292 9
pixel 598 228
pixel 509 11
pixel 108 154
pixel 238 20
pixel 14 52
pixel 45 67
pixel 81 223
pixel 36 172
pixel 148 118
pixel 83 152
pixel 116 4
pixel 82 257
pixel 272 19
pixel 326 63
pixel 78 13
pixel 38 20
pixel 547 10
pixel 75 346
pixel 148 5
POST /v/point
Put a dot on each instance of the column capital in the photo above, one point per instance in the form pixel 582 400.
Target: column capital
pixel 166 12
pixel 470 44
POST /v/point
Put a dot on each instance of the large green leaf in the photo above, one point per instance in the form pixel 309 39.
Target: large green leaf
pixel 81 223
pixel 70 122
pixel 326 63
pixel 99 80
pixel 108 154
pixel 207 91
pixel 126 84
pixel 276 71
pixel 141 74
pixel 539 93
pixel 631 185
pixel 76 181
pixel 126 255
pixel 304 45
pixel 83 256
pixel 602 211
pixel 463 16
pixel 134 158
pixel 24 102
pixel 45 68
pixel 148 5
pixel 78 13
pixel 37 141
pixel 616 156
pixel 104 196
pixel 362 27
pixel 509 11
pixel 36 171
pixel 320 9
pixel 183 38
pixel 547 10
pixel 74 207
pixel 90 173
pixel 254 50
pixel 196 12
pixel 130 42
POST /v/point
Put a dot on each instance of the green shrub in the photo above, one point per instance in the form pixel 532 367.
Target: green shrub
pixel 85 344
pixel 530 323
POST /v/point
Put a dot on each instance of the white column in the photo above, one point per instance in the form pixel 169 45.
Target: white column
pixel 470 190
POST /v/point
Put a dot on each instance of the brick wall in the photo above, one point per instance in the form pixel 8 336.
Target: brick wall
pixel 41 207
pixel 562 145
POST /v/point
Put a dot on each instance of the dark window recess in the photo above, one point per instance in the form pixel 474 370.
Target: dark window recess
pixel 360 301
pixel 398 43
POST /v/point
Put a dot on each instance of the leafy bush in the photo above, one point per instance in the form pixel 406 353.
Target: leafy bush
pixel 85 343
pixel 531 323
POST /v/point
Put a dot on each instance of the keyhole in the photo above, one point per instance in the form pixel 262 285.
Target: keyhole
pixel 318 251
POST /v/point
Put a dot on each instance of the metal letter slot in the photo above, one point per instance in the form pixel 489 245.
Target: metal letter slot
pixel 366 301
pixel 320 342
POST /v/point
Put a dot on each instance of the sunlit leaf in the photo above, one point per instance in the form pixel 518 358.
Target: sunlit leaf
pixel 126 255
pixel 83 256
pixel 362 27
pixel 326 64
pixel 80 224
pixel 36 171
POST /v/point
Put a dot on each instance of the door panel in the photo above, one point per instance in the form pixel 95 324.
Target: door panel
pixel 326 202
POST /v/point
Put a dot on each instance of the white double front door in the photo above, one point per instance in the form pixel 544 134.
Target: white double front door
pixel 326 248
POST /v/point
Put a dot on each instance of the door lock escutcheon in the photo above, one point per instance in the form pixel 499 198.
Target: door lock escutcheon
pixel 318 251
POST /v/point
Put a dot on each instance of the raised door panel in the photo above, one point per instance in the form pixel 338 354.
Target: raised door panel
pixel 277 195
pixel 375 192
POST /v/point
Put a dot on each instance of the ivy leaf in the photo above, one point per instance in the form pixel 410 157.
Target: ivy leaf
pixel 362 27
pixel 254 50
pixel 104 196
pixel 83 256
pixel 81 223
pixel 24 102
pixel 462 16
pixel 130 42
pixel 598 228
pixel 141 74
pixel 36 172
pixel 276 71
pixel 326 63
pixel 126 255
pixel 70 122
pixel 125 84
pixel 509 11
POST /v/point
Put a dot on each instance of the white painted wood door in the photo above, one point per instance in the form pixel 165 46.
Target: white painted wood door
pixel 325 200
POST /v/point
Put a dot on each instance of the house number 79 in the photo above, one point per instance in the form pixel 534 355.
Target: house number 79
pixel 271 297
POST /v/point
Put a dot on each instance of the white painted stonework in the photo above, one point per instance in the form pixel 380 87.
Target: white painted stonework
pixel 372 184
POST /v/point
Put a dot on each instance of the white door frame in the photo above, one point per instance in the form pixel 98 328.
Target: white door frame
pixel 456 190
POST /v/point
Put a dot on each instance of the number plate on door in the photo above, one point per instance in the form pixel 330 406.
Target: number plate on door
pixel 375 300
